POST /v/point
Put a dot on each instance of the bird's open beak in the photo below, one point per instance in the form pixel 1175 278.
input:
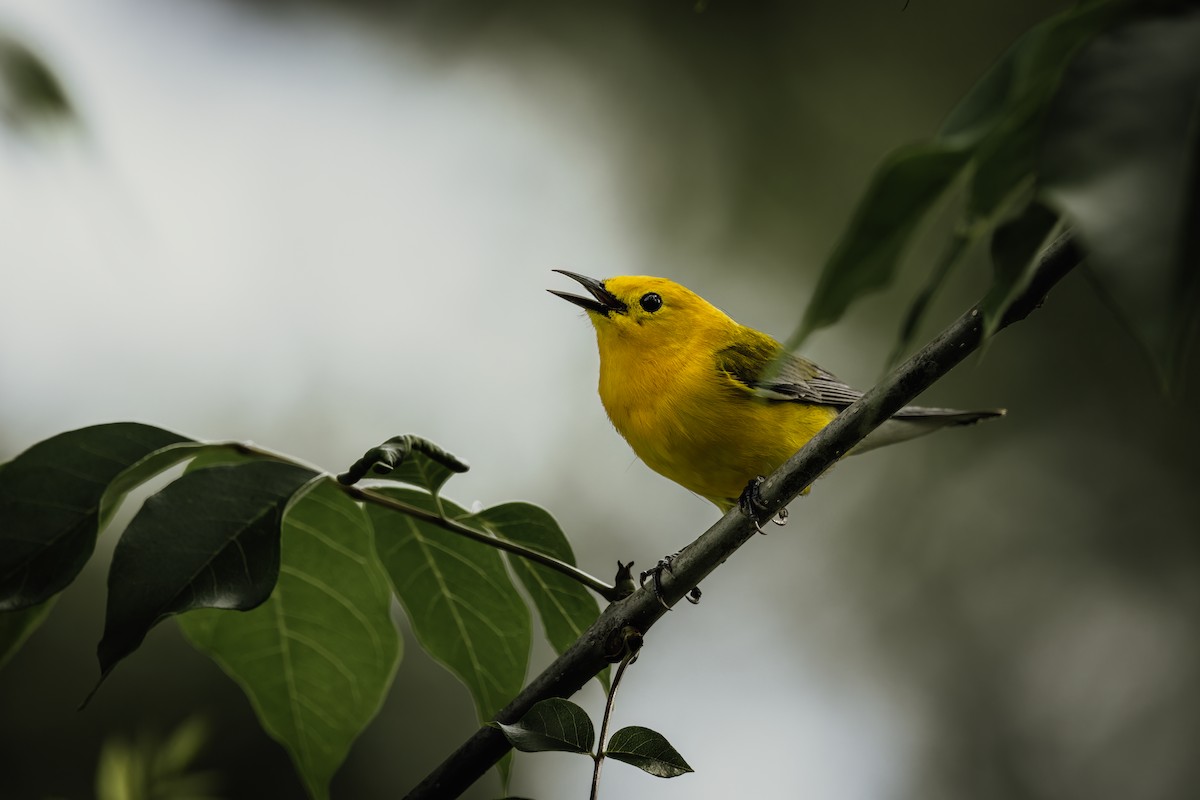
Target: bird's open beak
pixel 605 302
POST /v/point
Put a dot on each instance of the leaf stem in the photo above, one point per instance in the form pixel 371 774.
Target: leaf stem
pixel 633 644
pixel 609 593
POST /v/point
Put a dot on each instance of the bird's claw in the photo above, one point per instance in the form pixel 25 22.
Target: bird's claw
pixel 656 572
pixel 664 565
pixel 751 503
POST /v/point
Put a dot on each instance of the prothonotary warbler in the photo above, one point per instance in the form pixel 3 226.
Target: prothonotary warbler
pixel 712 404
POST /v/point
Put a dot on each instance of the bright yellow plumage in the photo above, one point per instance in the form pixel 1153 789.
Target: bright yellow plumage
pixel 691 390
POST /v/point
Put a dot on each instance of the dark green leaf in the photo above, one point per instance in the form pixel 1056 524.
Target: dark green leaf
pixel 1120 159
pixel 567 609
pixel 1015 246
pixel 1006 156
pixel 1031 66
pixel 29 91
pixel 984 104
pixel 951 257
pixel 317 658
pixel 17 626
pixel 902 192
pixel 146 468
pixel 51 502
pixel 224 455
pixel 1004 166
pixel 207 540
pixel 990 136
pixel 648 751
pixel 554 725
pixel 463 607
pixel 407 459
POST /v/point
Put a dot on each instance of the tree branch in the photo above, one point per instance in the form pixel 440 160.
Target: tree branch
pixel 602 642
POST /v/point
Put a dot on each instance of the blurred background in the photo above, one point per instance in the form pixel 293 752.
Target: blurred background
pixel 317 224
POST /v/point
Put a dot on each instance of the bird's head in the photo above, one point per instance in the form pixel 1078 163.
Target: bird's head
pixel 644 311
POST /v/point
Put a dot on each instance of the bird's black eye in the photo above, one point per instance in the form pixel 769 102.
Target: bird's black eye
pixel 650 302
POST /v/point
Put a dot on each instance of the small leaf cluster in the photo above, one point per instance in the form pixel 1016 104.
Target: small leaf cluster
pixel 156 767
pixel 558 725
pixel 311 568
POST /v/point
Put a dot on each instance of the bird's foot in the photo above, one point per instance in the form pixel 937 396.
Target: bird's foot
pixel 752 505
pixel 664 565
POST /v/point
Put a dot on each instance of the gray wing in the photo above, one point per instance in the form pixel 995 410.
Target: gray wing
pixel 797 379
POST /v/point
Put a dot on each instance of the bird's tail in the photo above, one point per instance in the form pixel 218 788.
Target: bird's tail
pixel 913 421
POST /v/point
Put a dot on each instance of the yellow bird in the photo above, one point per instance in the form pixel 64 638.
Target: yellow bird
pixel 712 404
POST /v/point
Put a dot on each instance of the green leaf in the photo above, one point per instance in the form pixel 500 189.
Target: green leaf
pixel 17 626
pixel 648 751
pixel 1120 159
pixel 207 540
pixel 153 766
pixel 1006 156
pixel 567 609
pixel 146 468
pixel 316 659
pixel 1031 66
pixel 29 91
pixel 553 725
pixel 177 754
pixel 51 502
pixel 951 256
pixel 1015 247
pixel 407 459
pixel 464 609
pixel 1003 167
pixel 902 192
pixel 227 454
pixel 991 136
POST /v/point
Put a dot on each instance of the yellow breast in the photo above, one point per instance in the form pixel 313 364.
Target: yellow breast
pixel 693 424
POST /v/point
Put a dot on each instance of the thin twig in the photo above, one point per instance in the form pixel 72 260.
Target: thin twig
pixel 609 593
pixel 598 586
pixel 630 654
